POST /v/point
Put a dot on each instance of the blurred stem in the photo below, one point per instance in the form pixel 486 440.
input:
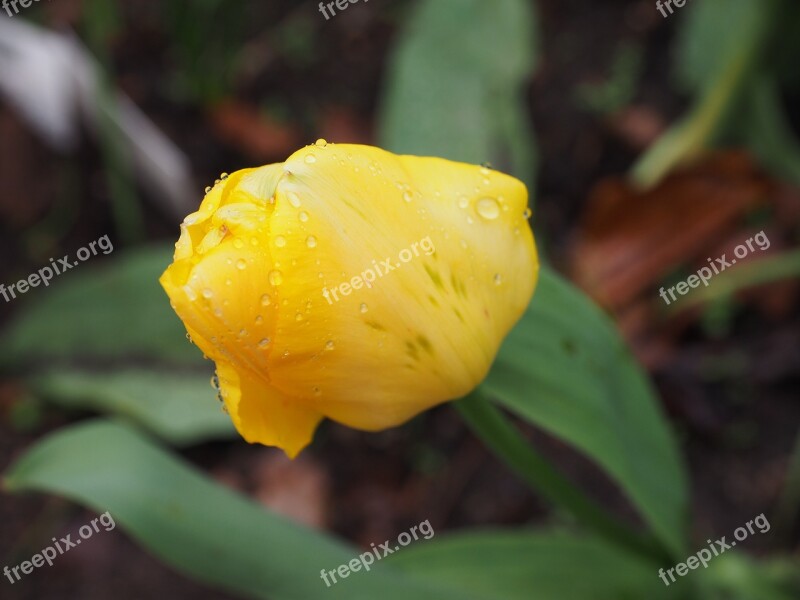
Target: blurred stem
pixel 760 272
pixel 102 20
pixel 686 140
pixel 497 432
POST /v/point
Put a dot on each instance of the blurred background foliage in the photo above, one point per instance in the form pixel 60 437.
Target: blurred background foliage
pixel 633 432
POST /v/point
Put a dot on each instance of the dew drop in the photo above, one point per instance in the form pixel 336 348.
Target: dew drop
pixel 299 317
pixel 259 320
pixel 363 308
pixel 527 214
pixel 215 381
pixel 218 312
pixel 310 159
pixel 189 337
pixel 241 264
pixel 263 343
pixel 303 216
pixel 254 241
pixel 280 241
pixel 488 208
pixel 463 202
pixel 275 277
pixel 266 300
pixel 407 196
pixel 238 244
pixel 329 345
pixel 224 176
pixel 190 293
pixel 294 199
pixel 498 279
pixel 208 189
pixel 242 333
pixel 207 293
pixel 311 241
pixel 321 143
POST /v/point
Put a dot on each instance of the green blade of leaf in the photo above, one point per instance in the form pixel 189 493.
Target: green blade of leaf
pixel 453 94
pixel 202 529
pixel 178 407
pixel 557 565
pixel 97 314
pixel 565 369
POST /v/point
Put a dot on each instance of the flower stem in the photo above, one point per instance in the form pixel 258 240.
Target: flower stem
pixel 497 432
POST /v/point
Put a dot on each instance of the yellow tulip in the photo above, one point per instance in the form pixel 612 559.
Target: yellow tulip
pixel 272 279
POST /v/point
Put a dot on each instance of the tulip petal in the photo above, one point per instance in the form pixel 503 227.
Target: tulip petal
pixel 426 330
pixel 264 416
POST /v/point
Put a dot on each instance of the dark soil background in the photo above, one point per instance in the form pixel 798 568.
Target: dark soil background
pixel 732 396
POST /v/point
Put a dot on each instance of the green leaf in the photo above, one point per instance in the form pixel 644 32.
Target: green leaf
pixel 178 407
pixel 97 314
pixel 557 565
pixel 456 84
pixel 565 369
pixel 202 529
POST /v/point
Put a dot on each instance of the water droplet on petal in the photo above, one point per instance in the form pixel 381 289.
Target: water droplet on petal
pixel 463 202
pixel 310 159
pixel 299 317
pixel 294 199
pixel 363 308
pixel 275 277
pixel 263 343
pixel 190 293
pixel 207 293
pixel 280 241
pixel 189 337
pixel 215 381
pixel 498 279
pixel 266 300
pixel 259 320
pixel 208 189
pixel 488 208
pixel 527 214
pixel 303 216
pixel 224 176
pixel 329 345
pixel 242 333
pixel 238 244
pixel 311 241
pixel 407 196
pixel 321 143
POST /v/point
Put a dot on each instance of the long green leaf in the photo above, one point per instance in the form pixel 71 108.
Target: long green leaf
pixel 101 313
pixel 202 529
pixel 177 406
pixel 557 565
pixel 456 84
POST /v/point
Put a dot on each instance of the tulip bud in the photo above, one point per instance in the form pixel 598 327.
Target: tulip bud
pixel 353 284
